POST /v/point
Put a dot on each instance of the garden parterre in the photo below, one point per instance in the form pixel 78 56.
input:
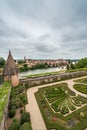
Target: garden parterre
pixel 62 108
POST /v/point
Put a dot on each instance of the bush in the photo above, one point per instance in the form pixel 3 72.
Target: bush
pixel 26 126
pixel 82 115
pixel 21 111
pixel 12 113
pixel 25 117
pixel 15 125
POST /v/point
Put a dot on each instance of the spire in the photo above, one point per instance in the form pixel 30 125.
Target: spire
pixel 9 52
pixel 10 67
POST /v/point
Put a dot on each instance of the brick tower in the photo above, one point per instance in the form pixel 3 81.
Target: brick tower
pixel 10 72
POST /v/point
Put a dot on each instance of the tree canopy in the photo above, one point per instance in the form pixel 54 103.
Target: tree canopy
pixel 2 62
pixel 81 63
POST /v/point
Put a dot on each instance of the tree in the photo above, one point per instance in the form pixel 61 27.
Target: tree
pixel 21 62
pixel 2 62
pixel 72 66
pixel 25 117
pixel 82 63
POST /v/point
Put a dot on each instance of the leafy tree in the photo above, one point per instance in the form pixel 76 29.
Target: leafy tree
pixel 2 62
pixel 21 62
pixel 72 66
pixel 82 63
pixel 25 117
pixel 68 67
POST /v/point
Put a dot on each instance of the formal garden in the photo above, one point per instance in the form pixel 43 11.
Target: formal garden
pixel 82 80
pixel 81 85
pixel 61 108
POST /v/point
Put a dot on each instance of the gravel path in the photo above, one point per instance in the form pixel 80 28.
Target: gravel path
pixel 32 106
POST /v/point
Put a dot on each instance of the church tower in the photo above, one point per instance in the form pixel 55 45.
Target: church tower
pixel 10 72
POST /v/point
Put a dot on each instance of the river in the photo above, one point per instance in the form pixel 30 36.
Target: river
pixel 38 71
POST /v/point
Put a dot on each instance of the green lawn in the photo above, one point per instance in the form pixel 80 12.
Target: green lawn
pixel 43 74
pixel 4 95
pixel 75 70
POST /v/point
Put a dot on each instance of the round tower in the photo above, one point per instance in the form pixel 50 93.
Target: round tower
pixel 10 72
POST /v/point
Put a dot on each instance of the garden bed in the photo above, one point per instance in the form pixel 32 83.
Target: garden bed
pixel 17 116
pixel 62 109
pixel 81 88
pixel 83 80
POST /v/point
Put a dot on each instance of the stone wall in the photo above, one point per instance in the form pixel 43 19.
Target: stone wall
pixel 52 78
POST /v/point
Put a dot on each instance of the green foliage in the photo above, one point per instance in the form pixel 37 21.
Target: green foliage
pixel 60 100
pixel 21 111
pixel 82 115
pixel 25 117
pixel 81 88
pixel 82 63
pixel 2 62
pixel 15 125
pixel 72 66
pixel 40 66
pixel 83 80
pixel 18 97
pixel 12 112
pixel 72 101
pixel 26 126
pixel 24 68
pixel 4 95
pixel 21 62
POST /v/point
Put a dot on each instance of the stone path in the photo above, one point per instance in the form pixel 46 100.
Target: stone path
pixel 32 106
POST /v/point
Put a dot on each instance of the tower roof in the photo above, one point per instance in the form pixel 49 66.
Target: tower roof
pixel 10 66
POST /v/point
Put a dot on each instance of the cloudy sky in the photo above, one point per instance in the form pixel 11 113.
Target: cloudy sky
pixel 43 28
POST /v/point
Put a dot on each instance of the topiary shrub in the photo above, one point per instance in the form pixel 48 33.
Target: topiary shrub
pixel 16 102
pixel 25 117
pixel 15 125
pixel 82 115
pixel 26 126
pixel 12 112
pixel 21 111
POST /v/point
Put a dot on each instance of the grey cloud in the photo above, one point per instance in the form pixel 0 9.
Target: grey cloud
pixel 6 31
pixel 44 28
pixel 44 37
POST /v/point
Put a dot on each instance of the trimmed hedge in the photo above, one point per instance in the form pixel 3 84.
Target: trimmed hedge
pixel 25 117
pixel 15 125
pixel 26 126
pixel 12 113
